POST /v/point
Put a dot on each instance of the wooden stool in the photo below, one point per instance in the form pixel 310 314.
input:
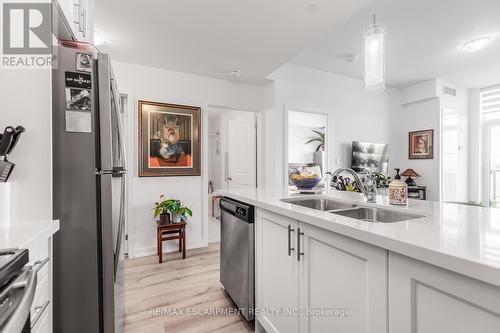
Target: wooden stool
pixel 171 231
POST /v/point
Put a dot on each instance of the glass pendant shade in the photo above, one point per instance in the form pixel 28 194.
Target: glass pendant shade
pixel 374 70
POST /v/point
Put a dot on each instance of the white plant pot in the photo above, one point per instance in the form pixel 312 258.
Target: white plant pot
pixel 176 218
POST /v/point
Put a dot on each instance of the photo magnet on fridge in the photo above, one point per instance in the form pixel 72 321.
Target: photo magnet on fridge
pixel 83 62
pixel 78 99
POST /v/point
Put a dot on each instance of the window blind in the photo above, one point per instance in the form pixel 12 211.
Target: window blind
pixel 490 102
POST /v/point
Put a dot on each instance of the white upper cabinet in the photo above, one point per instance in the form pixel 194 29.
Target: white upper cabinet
pixel 78 14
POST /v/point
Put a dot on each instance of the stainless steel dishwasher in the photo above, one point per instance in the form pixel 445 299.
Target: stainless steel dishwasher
pixel 237 254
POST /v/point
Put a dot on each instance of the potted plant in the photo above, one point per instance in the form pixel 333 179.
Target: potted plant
pixel 181 213
pixel 164 207
pixel 319 154
pixel 320 137
pixel 171 210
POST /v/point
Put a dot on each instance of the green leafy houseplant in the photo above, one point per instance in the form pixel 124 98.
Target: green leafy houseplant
pixel 167 208
pixel 319 138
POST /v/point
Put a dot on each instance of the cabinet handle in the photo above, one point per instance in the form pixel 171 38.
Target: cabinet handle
pixel 299 233
pixel 290 248
pixel 76 12
pixel 38 313
pixel 84 19
pixel 40 263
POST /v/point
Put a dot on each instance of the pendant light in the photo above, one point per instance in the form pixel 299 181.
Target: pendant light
pixel 374 67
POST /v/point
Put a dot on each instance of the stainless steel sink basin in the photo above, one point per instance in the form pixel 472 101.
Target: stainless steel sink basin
pixel 376 215
pixel 319 203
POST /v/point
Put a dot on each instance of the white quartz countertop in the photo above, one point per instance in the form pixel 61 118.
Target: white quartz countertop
pixel 20 234
pixel 460 238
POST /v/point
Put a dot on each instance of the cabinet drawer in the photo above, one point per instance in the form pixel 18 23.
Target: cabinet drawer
pixel 44 324
pixel 41 298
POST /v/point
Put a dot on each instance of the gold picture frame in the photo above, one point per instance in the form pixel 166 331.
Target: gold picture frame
pixel 421 145
pixel 169 140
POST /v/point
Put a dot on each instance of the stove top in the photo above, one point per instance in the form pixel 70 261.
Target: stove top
pixel 11 261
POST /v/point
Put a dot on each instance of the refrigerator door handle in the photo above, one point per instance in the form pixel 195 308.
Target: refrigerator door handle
pixel 112 152
pixel 121 225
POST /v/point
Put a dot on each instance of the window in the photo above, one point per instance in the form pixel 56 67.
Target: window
pixel 490 103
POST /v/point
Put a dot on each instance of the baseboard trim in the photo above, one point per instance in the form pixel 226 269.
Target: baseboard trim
pixel 168 247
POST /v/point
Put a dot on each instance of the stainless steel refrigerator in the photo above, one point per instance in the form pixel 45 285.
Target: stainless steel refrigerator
pixel 89 192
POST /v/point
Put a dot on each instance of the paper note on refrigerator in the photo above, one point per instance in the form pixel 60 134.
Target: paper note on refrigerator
pixel 78 121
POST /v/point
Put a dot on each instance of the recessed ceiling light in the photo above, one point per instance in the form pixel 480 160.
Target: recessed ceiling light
pixel 313 6
pixel 477 44
pixel 235 73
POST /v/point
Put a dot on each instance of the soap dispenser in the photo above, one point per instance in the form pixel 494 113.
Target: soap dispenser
pixel 398 190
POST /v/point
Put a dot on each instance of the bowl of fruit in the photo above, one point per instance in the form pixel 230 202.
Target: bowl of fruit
pixel 305 181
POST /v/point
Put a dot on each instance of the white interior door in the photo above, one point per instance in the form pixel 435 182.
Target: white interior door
pixel 491 172
pixel 242 148
pixel 454 180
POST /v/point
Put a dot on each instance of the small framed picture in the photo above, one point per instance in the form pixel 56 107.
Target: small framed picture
pixel 421 145
pixel 83 62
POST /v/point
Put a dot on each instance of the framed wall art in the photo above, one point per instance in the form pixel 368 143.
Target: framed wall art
pixel 169 140
pixel 421 145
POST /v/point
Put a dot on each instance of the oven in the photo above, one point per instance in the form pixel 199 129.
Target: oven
pixel 17 289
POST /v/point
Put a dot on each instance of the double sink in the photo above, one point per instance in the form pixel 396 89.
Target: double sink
pixel 368 214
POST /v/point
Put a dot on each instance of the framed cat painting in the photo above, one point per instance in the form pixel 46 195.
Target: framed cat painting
pixel 169 140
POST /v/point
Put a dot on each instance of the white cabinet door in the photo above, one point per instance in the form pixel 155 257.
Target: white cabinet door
pixel 345 278
pixel 78 16
pixel 427 299
pixel 276 272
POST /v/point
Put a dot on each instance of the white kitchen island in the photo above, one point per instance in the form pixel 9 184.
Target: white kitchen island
pixel 317 271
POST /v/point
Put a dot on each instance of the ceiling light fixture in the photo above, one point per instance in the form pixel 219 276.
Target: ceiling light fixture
pixel 235 73
pixel 374 49
pixel 477 44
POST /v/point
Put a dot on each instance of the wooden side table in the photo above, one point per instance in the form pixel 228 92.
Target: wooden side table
pixel 170 231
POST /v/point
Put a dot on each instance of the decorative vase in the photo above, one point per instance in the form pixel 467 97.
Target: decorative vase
pixel 165 218
pixel 319 158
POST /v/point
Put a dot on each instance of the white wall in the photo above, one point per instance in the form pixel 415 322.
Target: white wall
pixel 353 114
pixel 300 130
pixel 25 99
pixel 418 116
pixel 147 83
pixel 475 151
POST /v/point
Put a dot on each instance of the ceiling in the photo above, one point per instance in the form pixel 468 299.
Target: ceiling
pixel 422 42
pixel 214 37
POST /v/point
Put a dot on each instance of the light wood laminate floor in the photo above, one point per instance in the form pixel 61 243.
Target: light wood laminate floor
pixel 178 296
